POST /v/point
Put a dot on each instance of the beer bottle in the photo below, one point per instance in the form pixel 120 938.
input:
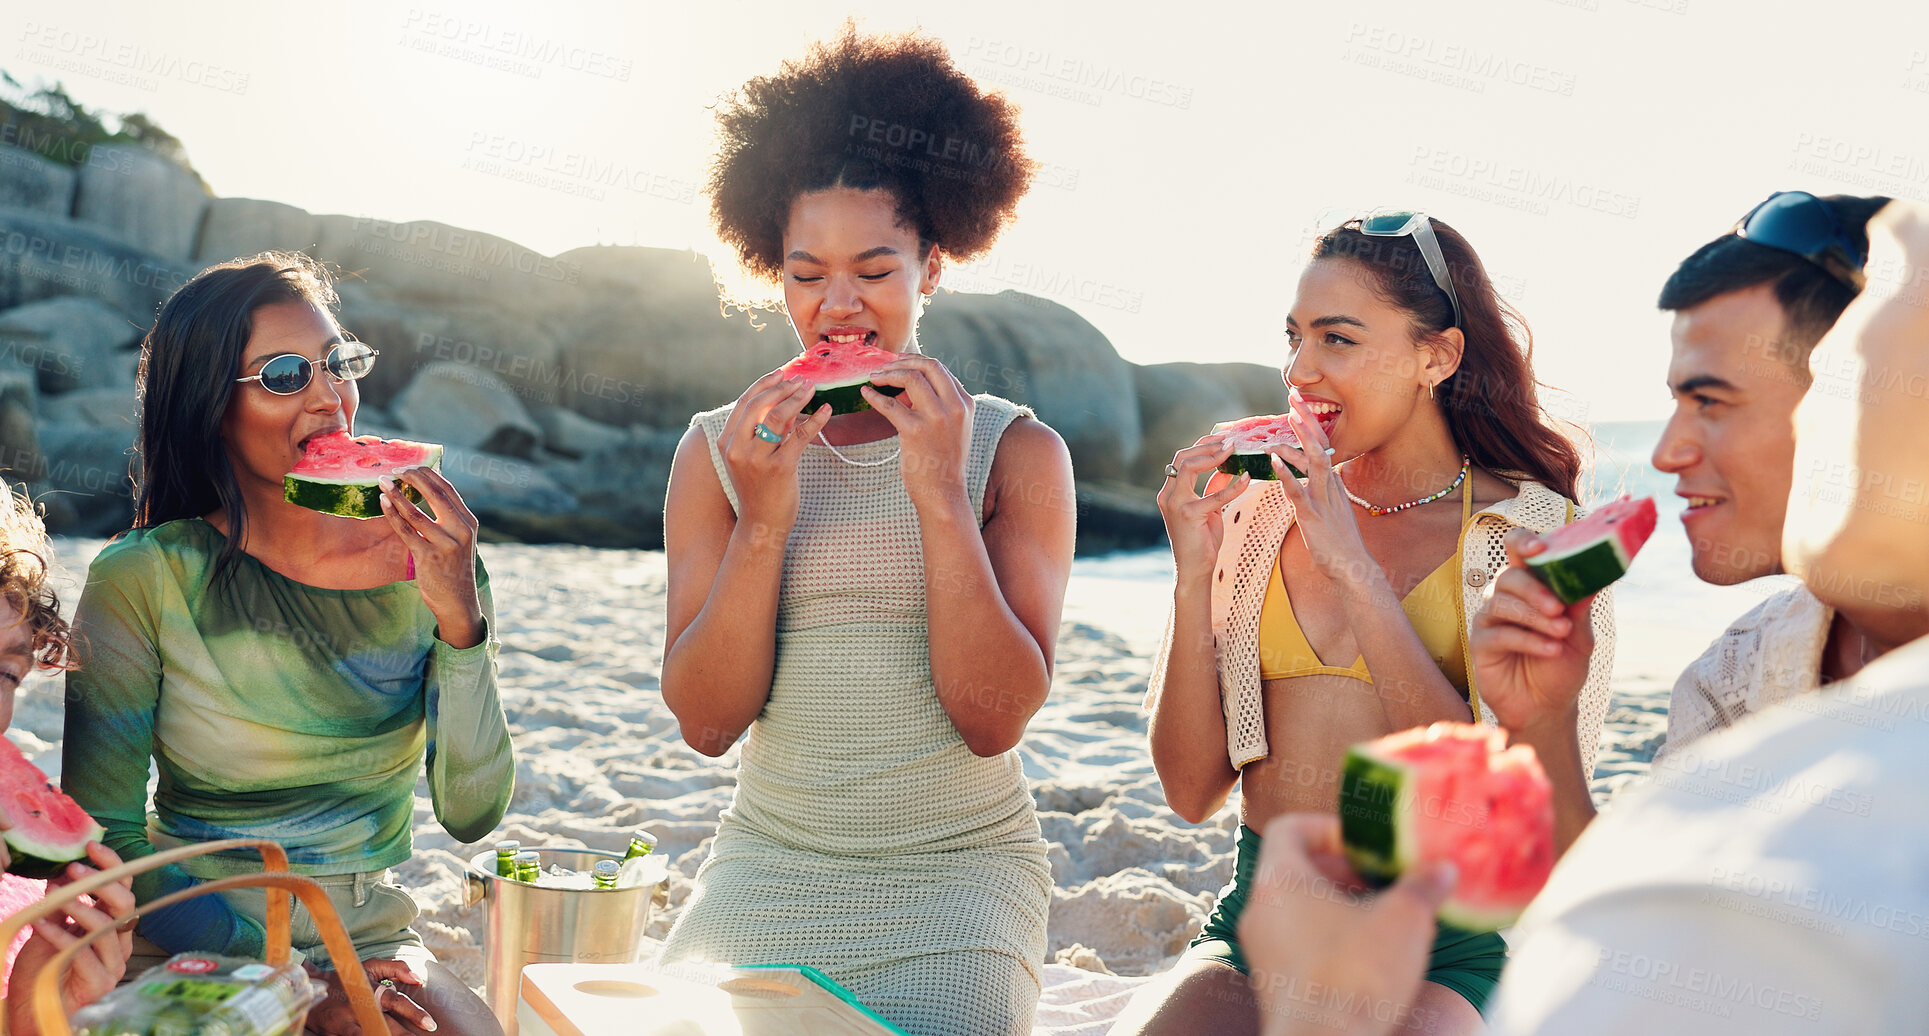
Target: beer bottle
pixel 605 874
pixel 529 868
pixel 642 843
pixel 506 851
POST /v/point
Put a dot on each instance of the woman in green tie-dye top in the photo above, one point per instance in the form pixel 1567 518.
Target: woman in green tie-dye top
pixel 286 671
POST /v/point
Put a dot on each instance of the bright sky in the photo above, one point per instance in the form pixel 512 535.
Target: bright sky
pixel 1583 146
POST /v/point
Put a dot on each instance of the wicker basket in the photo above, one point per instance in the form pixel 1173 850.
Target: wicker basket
pixel 275 878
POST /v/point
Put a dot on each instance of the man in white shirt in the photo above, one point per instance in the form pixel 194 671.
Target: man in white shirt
pixel 1771 877
pixel 1749 307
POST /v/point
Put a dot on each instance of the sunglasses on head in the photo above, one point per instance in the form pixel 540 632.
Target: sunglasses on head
pixel 1799 222
pixel 289 373
pixel 1402 224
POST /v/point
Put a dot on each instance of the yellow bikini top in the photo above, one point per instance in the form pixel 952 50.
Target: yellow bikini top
pixel 1433 606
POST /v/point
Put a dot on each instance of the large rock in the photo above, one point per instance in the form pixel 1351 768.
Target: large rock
pixel 70 342
pixel 100 407
pixel 238 227
pixel 433 263
pixel 650 345
pixel 492 484
pixel 1113 517
pixel 86 481
pixel 619 493
pixel 144 199
pixel 517 346
pixel 571 434
pixel 459 405
pixel 31 181
pixel 1034 351
pixel 1179 402
pixel 44 256
pixel 20 457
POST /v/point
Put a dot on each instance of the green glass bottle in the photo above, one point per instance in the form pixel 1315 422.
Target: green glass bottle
pixel 529 868
pixel 506 851
pixel 642 843
pixel 605 873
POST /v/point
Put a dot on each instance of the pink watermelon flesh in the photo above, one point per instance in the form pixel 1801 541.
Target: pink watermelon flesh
pixel 48 829
pixel 338 455
pixel 1257 434
pixel 1584 557
pixel 1452 791
pixel 830 364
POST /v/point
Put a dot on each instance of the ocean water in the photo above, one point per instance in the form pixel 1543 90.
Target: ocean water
pixel 1664 616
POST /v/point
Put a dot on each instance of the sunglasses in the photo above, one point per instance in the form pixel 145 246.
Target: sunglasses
pixel 1799 222
pixel 1402 224
pixel 289 373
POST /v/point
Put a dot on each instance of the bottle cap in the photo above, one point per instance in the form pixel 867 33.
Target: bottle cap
pixel 508 845
pixel 607 867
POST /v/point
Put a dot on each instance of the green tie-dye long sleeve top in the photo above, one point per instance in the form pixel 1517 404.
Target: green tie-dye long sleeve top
pixel 271 709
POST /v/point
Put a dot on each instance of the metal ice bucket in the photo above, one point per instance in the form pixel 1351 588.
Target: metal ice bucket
pixel 533 925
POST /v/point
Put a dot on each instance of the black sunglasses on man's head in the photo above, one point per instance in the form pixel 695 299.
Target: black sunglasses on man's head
pixel 1799 222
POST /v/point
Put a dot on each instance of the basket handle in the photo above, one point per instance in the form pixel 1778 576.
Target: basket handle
pixel 276 880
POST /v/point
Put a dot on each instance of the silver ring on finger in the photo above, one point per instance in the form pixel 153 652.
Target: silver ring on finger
pixel 1330 451
pixel 1171 472
pixel 762 431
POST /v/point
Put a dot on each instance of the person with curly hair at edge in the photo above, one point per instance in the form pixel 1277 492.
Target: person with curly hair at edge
pixel 874 596
pixel 33 635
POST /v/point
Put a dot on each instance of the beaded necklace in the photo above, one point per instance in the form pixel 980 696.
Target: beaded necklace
pixel 1466 465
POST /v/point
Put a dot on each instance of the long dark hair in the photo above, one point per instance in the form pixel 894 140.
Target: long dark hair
pixel 1492 402
pixel 188 364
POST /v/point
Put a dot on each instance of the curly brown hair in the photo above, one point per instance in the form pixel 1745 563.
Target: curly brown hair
pixel 24 554
pixel 868 112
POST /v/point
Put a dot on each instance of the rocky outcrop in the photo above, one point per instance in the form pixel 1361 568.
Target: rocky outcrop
pixel 560 384
pixel 459 405
pixel 1179 402
pixel 32 182
pixel 44 256
pixel 143 199
pixel 70 342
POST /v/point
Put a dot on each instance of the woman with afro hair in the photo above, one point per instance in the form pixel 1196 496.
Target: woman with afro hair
pixel 874 596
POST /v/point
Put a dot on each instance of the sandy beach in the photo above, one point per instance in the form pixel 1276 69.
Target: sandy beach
pixel 598 752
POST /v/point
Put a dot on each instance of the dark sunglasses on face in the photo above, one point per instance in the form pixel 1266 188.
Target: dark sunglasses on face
pixel 1401 224
pixel 1799 222
pixel 289 373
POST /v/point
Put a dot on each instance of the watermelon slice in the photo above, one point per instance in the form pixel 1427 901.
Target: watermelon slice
pixel 1583 557
pixel 1253 439
pixel 338 473
pixel 1452 791
pixel 48 830
pixel 840 370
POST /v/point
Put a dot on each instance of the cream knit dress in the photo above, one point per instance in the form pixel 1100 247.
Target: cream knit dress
pixel 865 839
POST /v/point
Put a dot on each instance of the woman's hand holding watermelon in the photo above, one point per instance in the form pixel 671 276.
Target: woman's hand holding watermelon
pixel 933 421
pixel 442 552
pixel 1321 510
pixel 1193 522
pixel 764 473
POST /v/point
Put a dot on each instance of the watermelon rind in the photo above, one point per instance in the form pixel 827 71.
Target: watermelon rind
pixel 1258 465
pixel 1370 798
pixel 351 498
pixel 847 398
pixel 32 805
pixel 1576 574
pixel 1377 828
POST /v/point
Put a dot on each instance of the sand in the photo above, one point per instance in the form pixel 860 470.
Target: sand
pixel 598 754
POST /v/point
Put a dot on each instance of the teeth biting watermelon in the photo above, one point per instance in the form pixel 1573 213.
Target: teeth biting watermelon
pixel 1583 557
pixel 1253 439
pixel 48 830
pixel 338 473
pixel 1452 791
pixel 840 370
